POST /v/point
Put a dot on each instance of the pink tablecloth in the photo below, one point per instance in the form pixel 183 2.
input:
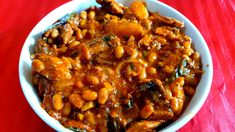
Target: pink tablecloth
pixel 214 18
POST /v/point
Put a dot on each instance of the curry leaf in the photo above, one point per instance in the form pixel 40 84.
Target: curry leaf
pixel 182 70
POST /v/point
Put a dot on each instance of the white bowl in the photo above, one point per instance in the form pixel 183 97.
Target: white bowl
pixel 200 45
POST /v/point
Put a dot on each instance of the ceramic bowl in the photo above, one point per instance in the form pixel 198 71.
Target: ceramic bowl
pixel 199 43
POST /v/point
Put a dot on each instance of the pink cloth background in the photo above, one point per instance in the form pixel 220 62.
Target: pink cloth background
pixel 214 18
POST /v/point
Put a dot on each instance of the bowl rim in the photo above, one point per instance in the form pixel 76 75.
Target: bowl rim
pixel 181 121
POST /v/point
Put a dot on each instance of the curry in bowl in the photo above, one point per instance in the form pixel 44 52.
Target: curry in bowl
pixel 115 68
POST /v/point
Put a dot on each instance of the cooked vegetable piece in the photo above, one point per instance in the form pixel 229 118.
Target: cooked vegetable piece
pixel 123 28
pixel 139 9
